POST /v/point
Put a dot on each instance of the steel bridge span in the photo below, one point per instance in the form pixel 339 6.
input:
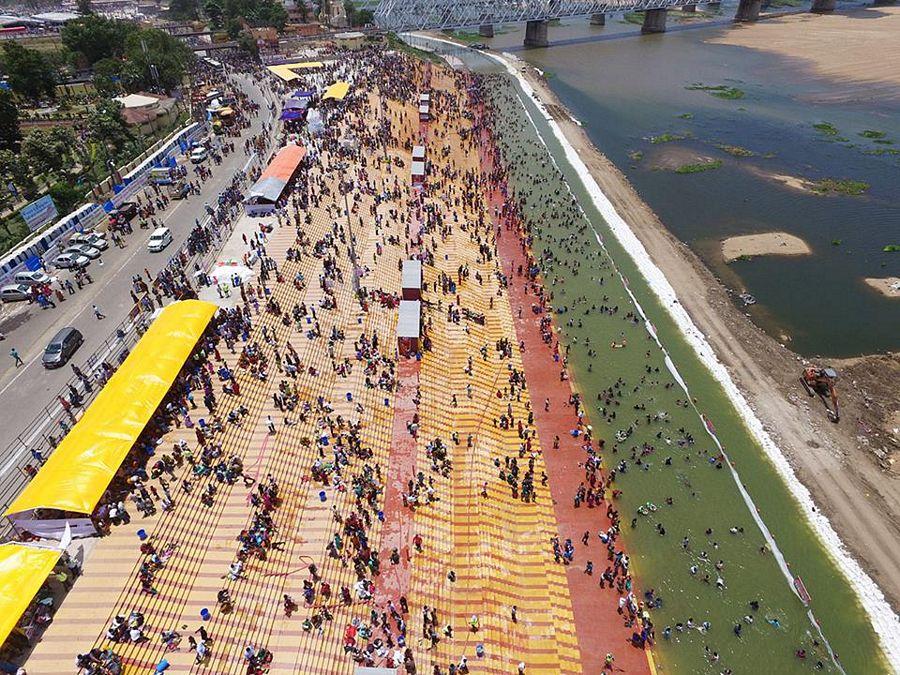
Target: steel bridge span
pixel 415 15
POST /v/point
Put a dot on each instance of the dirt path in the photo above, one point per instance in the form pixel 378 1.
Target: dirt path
pixel 839 464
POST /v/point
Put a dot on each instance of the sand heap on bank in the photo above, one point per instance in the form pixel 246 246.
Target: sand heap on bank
pixel 766 243
pixel 888 286
pixel 860 47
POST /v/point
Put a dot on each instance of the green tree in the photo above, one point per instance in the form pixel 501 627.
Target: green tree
pixel 107 76
pixel 106 127
pixel 149 49
pixel 248 44
pixel 183 10
pixel 40 151
pixel 84 7
pixel 30 74
pixel 14 168
pixel 10 135
pixel 66 196
pixel 213 11
pixel 257 13
pixel 96 37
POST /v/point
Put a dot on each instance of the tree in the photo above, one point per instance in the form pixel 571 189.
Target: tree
pixel 107 76
pixel 10 135
pixel 30 73
pixel 14 168
pixel 213 11
pixel 106 127
pixel 150 49
pixel 96 37
pixel 66 196
pixel 40 151
pixel 84 7
pixel 183 10
pixel 357 17
pixel 257 13
pixel 248 44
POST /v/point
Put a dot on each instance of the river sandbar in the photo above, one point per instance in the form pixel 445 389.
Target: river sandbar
pixel 887 286
pixel 765 243
pixel 835 46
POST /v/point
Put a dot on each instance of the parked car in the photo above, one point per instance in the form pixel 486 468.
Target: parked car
pixel 90 238
pixel 199 155
pixel 61 347
pixel 35 278
pixel 15 292
pixel 179 190
pixel 160 238
pixel 71 260
pixel 85 250
pixel 128 209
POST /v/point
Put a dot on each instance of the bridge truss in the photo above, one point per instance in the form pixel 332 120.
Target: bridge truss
pixel 406 15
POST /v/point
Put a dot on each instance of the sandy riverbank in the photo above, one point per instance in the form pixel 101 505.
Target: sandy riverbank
pixel 764 243
pixel 887 286
pixel 835 462
pixel 858 48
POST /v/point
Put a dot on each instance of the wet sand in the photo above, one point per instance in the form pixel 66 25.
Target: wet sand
pixel 847 467
pixel 765 243
pixel 859 48
pixel 887 286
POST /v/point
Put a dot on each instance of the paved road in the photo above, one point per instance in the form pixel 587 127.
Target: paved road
pixel 25 390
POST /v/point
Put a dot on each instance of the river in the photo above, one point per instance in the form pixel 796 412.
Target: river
pixel 626 89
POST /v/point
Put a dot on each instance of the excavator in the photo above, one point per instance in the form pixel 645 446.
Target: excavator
pixel 820 381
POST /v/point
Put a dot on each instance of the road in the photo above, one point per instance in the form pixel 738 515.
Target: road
pixel 25 390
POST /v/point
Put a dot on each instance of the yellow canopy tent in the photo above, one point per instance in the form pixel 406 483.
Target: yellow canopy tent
pixel 286 70
pixel 78 472
pixel 337 91
pixel 23 570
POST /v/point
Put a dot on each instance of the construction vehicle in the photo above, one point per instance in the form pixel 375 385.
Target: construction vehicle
pixel 820 381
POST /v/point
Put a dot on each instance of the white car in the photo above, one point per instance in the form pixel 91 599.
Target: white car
pixel 85 250
pixel 69 260
pixel 199 155
pixel 35 278
pixel 94 239
pixel 160 238
pixel 15 292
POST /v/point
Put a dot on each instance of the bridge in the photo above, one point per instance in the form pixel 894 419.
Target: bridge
pixel 413 15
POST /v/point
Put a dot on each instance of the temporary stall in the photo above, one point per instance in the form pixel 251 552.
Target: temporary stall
pixel 286 71
pixel 68 487
pixel 411 280
pixel 409 327
pixel 424 112
pixel 265 193
pixel 418 153
pixel 336 91
pixel 23 571
pixel 424 98
pixel 418 172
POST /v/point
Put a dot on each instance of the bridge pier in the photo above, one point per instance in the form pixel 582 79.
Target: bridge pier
pixel 598 19
pixel 748 10
pixel 654 21
pixel 486 30
pixel 536 34
pixel 689 8
pixel 823 6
